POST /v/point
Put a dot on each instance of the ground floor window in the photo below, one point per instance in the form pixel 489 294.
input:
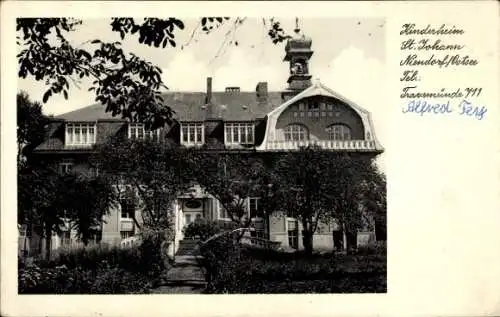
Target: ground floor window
pixel 258 228
pixel 66 238
pixel 126 234
pixel 293 234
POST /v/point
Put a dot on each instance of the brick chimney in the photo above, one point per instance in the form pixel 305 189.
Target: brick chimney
pixel 261 91
pixel 208 99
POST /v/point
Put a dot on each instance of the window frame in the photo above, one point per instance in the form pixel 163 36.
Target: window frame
pixel 135 128
pixel 341 133
pixel 71 136
pixel 66 167
pixel 288 132
pixel 232 138
pixel 125 200
pixel 192 130
pixel 221 211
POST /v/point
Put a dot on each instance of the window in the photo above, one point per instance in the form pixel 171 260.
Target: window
pixel 126 234
pixel 66 238
pixel 253 207
pixel 94 171
pixel 223 214
pixel 80 134
pixel 296 132
pixel 137 131
pixel 339 132
pixel 239 133
pixel 313 105
pixel 192 133
pixel 293 234
pixel 65 167
pixel 258 229
pixel 127 208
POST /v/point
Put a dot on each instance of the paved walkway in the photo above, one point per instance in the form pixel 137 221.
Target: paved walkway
pixel 185 277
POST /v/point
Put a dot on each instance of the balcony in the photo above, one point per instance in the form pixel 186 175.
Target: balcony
pixel 348 145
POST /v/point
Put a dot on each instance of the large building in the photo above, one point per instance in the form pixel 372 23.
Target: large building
pixel 305 113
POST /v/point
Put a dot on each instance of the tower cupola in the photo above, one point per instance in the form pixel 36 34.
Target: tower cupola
pixel 298 52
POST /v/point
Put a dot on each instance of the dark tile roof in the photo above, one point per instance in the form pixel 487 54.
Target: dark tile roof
pixel 189 106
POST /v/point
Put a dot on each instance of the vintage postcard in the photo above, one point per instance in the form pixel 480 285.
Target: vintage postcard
pixel 250 158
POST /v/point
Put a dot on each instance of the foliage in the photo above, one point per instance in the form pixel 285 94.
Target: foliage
pixel 232 178
pixel 94 270
pixel 306 181
pixel 321 185
pixel 123 82
pixel 203 229
pixel 151 173
pixel 30 125
pixel 62 280
pixel 257 271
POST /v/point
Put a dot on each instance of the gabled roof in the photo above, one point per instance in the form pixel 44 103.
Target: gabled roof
pixel 189 106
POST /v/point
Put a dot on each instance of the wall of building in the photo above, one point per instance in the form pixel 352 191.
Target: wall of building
pixel 317 125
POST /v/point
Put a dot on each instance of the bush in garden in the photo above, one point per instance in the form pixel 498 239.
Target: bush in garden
pixel 202 229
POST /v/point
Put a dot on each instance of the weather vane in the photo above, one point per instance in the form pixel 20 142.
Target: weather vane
pixel 297 29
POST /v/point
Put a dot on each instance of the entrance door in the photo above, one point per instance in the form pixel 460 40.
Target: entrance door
pixel 192 211
pixel 191 216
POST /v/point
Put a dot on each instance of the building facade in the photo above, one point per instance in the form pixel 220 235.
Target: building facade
pixel 305 113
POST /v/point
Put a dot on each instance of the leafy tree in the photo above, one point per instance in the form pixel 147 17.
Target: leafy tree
pixel 149 172
pixel 30 125
pixel 232 178
pixel 358 191
pixel 123 82
pixel 305 183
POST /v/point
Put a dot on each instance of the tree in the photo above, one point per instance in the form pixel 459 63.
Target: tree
pixel 123 82
pixel 30 125
pixel 232 178
pixel 305 186
pixel 356 192
pixel 151 173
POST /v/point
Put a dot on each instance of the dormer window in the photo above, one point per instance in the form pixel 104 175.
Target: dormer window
pixel 137 131
pixel 192 134
pixel 239 133
pixel 80 134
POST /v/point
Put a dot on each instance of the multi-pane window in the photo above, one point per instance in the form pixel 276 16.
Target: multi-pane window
pixel 65 167
pixel 223 214
pixel 126 234
pixel 339 132
pixel 296 132
pixel 137 131
pixel 80 134
pixel 192 133
pixel 66 238
pixel 253 207
pixel 239 133
pixel 127 208
pixel 293 234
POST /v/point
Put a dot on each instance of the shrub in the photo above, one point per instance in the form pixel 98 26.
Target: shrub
pixel 61 280
pixel 202 229
pixel 231 268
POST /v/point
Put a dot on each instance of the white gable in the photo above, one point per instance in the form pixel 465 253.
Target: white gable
pixel 318 89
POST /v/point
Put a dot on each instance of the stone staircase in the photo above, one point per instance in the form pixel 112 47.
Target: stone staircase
pixel 187 248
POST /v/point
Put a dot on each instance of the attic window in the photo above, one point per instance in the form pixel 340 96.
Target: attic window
pixel 232 89
pixel 80 134
pixel 137 131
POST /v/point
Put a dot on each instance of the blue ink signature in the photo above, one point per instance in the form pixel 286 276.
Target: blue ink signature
pixel 464 108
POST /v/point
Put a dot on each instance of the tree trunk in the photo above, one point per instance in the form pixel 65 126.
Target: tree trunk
pixel 48 242
pixel 307 241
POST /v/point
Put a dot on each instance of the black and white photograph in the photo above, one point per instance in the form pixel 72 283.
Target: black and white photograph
pixel 210 155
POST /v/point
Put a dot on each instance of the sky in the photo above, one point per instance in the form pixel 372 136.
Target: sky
pixel 349 57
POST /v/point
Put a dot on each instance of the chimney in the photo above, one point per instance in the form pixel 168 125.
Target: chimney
pixel 261 91
pixel 208 99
